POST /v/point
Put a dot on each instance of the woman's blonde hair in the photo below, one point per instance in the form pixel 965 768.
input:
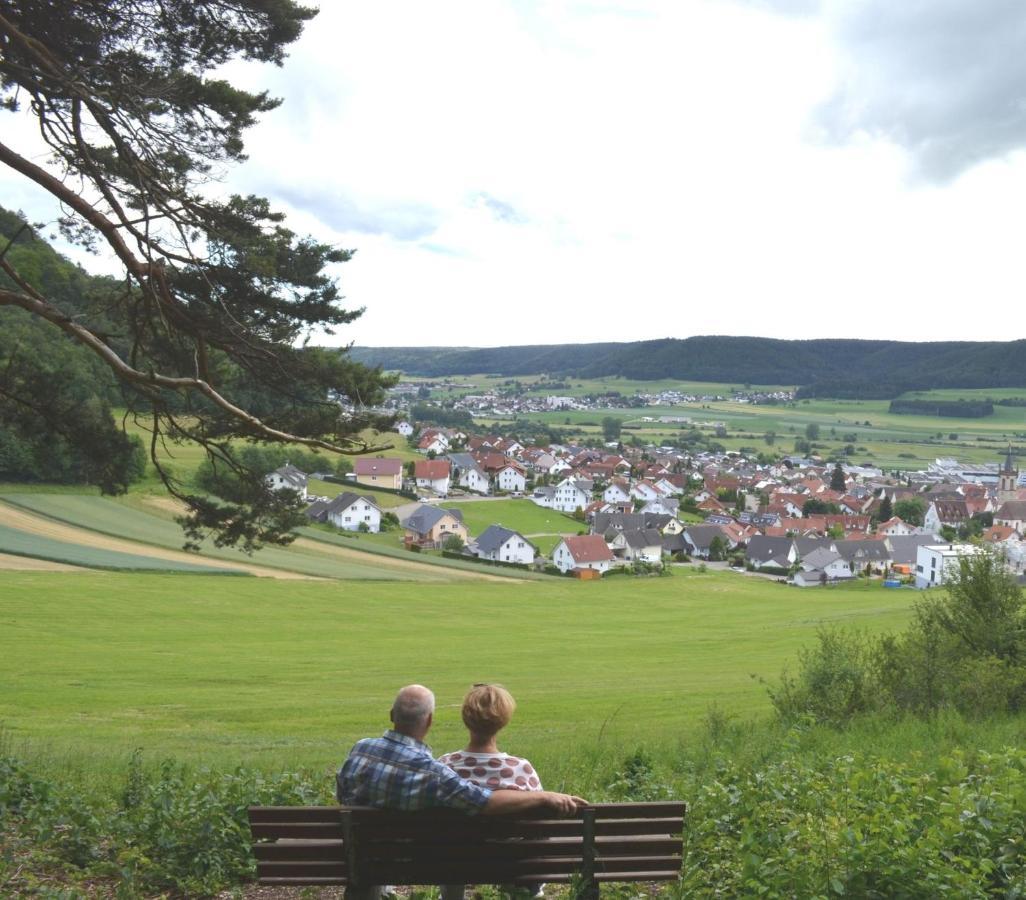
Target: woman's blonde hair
pixel 487 708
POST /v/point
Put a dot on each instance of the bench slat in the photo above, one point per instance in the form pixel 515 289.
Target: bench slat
pixel 299 850
pixel 296 830
pixel 475 827
pixel 301 870
pixel 383 851
pixel 664 809
pixel 294 814
pixel 487 872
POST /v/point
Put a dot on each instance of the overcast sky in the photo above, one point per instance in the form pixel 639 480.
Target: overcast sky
pixel 542 172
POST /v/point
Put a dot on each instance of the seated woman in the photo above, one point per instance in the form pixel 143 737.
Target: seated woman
pixel 487 709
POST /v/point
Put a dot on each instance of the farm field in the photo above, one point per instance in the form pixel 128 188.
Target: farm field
pixel 578 387
pixel 35 546
pixel 145 523
pixel 226 670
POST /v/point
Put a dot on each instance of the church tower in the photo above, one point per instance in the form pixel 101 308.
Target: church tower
pixel 1008 479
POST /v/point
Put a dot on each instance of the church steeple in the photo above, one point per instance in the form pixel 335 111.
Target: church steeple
pixel 1008 479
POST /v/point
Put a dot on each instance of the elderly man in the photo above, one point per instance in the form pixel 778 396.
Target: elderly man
pixel 397 771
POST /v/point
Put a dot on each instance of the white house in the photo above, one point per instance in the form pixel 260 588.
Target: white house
pixel 638 545
pixel 822 565
pixel 349 511
pixel 933 561
pixel 469 474
pixel 646 491
pixel 502 544
pixel 571 494
pixel 404 428
pixel 663 506
pixel 433 440
pixel 510 478
pixel 586 551
pixel 288 477
pixel 432 475
pixel 617 492
pixel 895 527
pixel 771 552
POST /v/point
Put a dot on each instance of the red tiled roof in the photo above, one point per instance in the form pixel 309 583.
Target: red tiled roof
pixel 431 469
pixel 588 548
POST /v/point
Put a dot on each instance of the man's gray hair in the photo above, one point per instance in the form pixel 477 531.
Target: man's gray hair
pixel 413 704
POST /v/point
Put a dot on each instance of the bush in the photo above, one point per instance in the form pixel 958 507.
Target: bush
pixel 834 682
pixel 859 827
pixel 172 829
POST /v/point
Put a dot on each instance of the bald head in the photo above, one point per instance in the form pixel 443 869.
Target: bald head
pixel 413 710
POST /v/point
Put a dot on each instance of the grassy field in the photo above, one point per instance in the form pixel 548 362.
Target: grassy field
pixel 227 670
pixel 133 519
pixel 19 543
pixel 521 515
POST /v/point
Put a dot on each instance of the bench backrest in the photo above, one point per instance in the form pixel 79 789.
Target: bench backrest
pixel 360 846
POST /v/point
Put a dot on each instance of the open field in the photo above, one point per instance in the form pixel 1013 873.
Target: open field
pixel 521 515
pixel 384 500
pixel 34 543
pixel 146 526
pixel 578 387
pixel 250 670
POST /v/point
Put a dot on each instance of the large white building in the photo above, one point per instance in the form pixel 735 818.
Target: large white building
pixel 934 560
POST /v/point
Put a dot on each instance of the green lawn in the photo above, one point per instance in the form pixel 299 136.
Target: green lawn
pixel 384 500
pixel 520 515
pixel 230 670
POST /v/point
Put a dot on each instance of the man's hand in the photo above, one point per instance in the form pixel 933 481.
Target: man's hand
pixel 563 804
pixel 513 802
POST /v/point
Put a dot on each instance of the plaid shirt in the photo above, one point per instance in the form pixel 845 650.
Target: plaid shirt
pixel 396 771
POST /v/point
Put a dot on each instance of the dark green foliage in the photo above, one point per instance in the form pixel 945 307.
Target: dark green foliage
pixel 453 543
pixel 611 428
pixel 837 482
pixel 911 510
pixel 441 416
pixel 172 829
pixel 857 826
pixel 954 409
pixel 718 548
pixel 55 418
pixel 886 509
pixel 824 367
pixel 816 507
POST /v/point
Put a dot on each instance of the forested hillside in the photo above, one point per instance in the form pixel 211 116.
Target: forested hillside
pixel 55 395
pixel 838 368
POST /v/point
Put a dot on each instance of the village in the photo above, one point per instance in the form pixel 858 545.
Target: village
pixel 641 509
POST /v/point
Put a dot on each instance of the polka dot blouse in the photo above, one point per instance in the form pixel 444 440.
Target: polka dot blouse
pixel 498 771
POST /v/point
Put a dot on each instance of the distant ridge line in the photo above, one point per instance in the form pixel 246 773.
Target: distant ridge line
pixel 820 367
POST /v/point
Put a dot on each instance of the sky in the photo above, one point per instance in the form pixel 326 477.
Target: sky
pixel 550 172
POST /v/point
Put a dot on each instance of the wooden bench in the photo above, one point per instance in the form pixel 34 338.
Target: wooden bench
pixel 357 847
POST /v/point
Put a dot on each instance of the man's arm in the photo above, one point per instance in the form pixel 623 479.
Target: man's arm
pixel 512 802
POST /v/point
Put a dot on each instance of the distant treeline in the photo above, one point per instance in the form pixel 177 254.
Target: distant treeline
pixel 835 368
pixel 953 409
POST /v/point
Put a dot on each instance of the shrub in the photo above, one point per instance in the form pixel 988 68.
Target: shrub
pixel 834 682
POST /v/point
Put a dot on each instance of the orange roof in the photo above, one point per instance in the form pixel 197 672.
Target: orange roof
pixel 432 469
pixel 586 548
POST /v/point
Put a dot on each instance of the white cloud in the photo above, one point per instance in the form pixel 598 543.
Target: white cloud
pixel 530 173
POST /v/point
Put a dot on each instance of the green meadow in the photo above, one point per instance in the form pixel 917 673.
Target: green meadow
pixel 284 674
